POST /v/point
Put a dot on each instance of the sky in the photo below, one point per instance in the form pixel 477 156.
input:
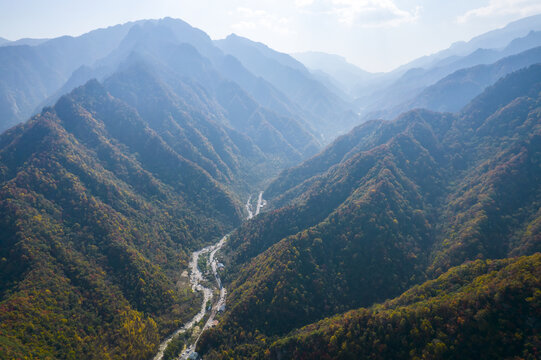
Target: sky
pixel 376 35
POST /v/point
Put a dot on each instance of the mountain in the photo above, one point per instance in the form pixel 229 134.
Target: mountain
pixel 488 56
pixel 483 309
pixel 30 74
pixel 346 75
pixel 415 81
pixel 377 92
pixel 105 194
pixel 252 53
pixel 495 39
pixel 35 76
pixel 23 41
pixel 230 103
pixel 418 237
pixel 99 215
pixel 230 68
pixel 166 55
pixel 456 90
pixel 384 208
pixel 294 80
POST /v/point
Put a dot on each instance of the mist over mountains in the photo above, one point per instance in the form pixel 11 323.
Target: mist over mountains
pixel 400 212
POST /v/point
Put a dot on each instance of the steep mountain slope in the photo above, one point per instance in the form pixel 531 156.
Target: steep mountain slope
pixel 187 91
pixel 118 183
pixel 238 158
pixel 481 310
pixel 32 72
pixel 361 225
pixel 98 217
pixel 180 32
pixel 293 79
pixel 38 75
pixel 197 86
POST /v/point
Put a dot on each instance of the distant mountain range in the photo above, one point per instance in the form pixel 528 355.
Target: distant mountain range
pixel 29 74
pixel 345 75
pixel 385 95
pixel 24 41
pixel 455 90
pixel 495 39
pixel 34 76
pixel 294 80
pixel 415 81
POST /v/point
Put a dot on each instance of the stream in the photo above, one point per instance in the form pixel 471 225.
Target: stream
pixel 196 279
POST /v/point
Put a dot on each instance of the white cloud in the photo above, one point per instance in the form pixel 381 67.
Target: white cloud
pixel 303 3
pixel 250 13
pixel 244 25
pixel 518 8
pixel 364 13
pixel 253 19
pixel 373 13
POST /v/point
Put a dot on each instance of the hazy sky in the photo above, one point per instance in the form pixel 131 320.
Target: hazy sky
pixel 373 34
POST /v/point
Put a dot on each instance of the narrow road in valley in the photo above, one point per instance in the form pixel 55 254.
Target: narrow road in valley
pixel 260 204
pixel 249 208
pixel 196 279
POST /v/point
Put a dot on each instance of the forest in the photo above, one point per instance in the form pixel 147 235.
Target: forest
pixel 400 211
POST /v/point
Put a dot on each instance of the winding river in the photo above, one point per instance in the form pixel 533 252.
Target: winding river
pixel 196 280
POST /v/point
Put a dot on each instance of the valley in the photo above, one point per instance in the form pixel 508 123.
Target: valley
pixel 200 282
pixel 167 195
pixel 196 279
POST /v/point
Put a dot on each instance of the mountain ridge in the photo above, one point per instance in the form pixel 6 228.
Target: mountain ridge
pixel 416 237
pixel 432 191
